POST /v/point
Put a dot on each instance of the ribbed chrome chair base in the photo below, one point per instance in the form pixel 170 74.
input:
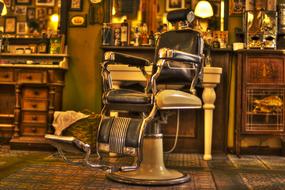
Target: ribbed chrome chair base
pixel 152 170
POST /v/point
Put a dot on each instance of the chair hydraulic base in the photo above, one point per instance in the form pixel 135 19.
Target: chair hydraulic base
pixel 152 170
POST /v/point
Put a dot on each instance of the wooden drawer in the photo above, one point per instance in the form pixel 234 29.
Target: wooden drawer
pixel 28 104
pixel 38 93
pixel 31 76
pixel 33 130
pixel 6 75
pixel 34 117
pixel 56 76
pixel 265 69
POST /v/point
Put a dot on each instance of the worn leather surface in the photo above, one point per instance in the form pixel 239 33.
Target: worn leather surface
pixel 186 40
pixel 121 58
pixel 106 124
pixel 178 15
pixel 127 96
pixel 173 99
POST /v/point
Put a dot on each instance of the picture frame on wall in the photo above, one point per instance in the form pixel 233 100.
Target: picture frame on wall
pixel 22 27
pixel 76 5
pixel 45 2
pixel 31 13
pixel 23 2
pixel 10 24
pixel 41 13
pixel 20 10
pixel 78 20
pixel 174 4
pixel 236 7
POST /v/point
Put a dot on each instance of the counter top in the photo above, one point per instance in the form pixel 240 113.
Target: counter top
pixel 32 55
pixel 59 66
pixel 269 51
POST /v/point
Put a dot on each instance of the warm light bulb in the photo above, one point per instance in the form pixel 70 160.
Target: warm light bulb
pixel 4 9
pixel 54 18
pixel 203 9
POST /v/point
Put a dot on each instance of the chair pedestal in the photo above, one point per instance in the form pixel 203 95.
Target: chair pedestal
pixel 152 170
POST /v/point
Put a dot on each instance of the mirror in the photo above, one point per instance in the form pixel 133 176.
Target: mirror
pixel 154 12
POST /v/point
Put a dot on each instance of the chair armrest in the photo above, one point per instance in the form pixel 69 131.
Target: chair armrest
pixel 121 58
pixel 175 55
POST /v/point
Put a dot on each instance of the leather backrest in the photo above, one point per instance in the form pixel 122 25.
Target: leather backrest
pixel 186 40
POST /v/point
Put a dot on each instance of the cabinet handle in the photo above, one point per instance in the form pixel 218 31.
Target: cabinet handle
pixel 36 93
pixel 29 77
pixel 6 76
pixel 34 105
pixel 34 130
pixel 34 118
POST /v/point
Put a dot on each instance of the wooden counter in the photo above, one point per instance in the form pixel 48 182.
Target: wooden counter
pixel 31 90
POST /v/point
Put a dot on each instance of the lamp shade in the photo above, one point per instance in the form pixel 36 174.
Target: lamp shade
pixel 3 9
pixel 203 9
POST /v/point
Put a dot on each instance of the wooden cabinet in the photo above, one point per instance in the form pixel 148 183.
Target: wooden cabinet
pixel 260 94
pixel 30 93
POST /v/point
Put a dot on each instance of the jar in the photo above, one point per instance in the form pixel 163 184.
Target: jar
pixel 28 50
pixel 20 51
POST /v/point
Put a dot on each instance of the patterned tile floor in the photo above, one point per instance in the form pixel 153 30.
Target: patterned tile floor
pixel 29 170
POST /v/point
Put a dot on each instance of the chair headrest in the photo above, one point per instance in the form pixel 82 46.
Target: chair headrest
pixel 180 15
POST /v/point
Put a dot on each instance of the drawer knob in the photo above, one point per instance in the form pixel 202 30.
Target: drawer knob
pixel 36 93
pixel 34 105
pixel 34 118
pixel 34 130
pixel 29 77
pixel 6 76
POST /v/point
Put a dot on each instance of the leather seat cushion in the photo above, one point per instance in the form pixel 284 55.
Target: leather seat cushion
pixel 127 96
pixel 175 99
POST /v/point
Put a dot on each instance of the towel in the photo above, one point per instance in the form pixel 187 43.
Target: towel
pixel 63 119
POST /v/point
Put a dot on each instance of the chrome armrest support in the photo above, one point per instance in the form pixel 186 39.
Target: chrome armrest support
pixel 125 59
pixel 175 55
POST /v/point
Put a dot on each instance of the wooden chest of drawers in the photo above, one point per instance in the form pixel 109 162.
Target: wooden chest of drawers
pixel 34 111
pixel 29 96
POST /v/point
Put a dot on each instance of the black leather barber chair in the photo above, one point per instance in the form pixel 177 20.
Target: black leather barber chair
pixel 178 62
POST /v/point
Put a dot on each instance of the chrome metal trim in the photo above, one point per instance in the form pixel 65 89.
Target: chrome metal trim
pixel 118 134
pixel 188 107
pixel 160 135
pixel 142 130
pixel 130 151
pixel 109 56
pixel 163 52
pixel 104 147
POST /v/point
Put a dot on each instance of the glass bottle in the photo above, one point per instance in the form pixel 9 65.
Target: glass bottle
pixel 6 46
pixel 106 34
pixel 137 36
pixel 124 33
pixel 144 34
pixel 151 40
pixel 117 36
pixel 55 44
